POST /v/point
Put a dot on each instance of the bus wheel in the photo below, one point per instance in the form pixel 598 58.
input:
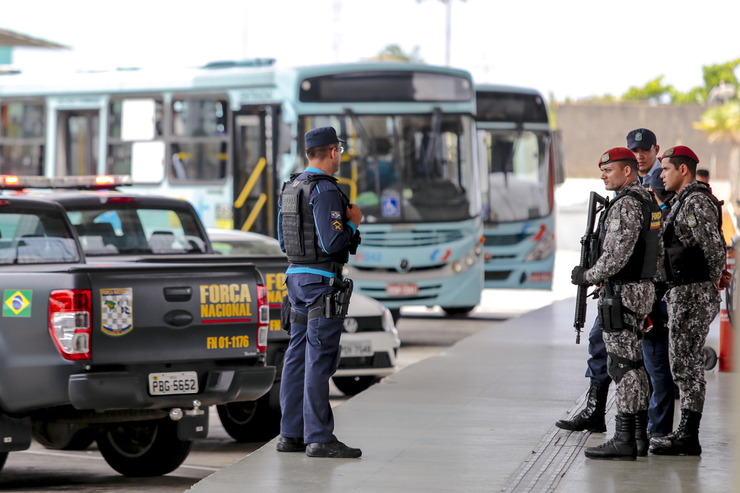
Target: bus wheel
pixel 354 385
pixel 3 458
pixel 458 310
pixel 250 421
pixel 143 449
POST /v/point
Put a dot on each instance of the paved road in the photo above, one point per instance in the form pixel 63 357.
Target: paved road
pixel 42 470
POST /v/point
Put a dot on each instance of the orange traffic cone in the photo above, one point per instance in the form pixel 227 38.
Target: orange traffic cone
pixel 725 341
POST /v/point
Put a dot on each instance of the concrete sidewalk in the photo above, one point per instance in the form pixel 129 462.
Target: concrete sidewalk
pixel 480 417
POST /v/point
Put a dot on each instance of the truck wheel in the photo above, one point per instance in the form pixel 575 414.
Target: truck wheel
pixel 62 436
pixel 250 421
pixel 3 458
pixel 457 311
pixel 354 385
pixel 143 449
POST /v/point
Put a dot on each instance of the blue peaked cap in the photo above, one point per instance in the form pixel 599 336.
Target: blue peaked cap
pixel 322 136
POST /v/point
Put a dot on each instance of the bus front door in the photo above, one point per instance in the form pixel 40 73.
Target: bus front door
pixel 254 179
pixel 77 143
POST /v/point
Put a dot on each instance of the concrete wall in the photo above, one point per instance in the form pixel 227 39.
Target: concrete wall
pixel 589 130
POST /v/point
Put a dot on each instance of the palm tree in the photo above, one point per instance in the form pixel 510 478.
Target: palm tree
pixel 723 123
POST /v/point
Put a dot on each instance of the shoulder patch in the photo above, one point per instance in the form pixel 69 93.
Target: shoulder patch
pixel 336 215
pixel 691 221
pixel 614 224
pixel 337 225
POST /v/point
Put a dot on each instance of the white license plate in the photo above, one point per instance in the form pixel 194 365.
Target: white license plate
pixel 402 289
pixel 183 382
pixel 356 348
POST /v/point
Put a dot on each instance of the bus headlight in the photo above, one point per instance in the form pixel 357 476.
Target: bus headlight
pixel 542 250
pixel 456 266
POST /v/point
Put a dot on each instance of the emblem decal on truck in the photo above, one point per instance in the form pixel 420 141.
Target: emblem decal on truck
pixel 17 303
pixel 116 311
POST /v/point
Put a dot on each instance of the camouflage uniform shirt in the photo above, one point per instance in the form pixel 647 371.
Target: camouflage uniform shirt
pixel 623 224
pixel 696 222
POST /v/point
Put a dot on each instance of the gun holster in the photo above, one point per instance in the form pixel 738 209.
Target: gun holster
pixel 610 309
pixel 336 304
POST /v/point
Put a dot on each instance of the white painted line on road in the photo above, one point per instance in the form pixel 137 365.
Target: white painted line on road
pixel 61 454
pixel 68 455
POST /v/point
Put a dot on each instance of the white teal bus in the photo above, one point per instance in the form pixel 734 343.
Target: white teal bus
pixel 225 137
pixel 202 134
pixel 517 158
pixel 410 164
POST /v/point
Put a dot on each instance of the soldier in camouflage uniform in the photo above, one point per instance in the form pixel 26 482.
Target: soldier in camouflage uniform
pixel 695 258
pixel 630 246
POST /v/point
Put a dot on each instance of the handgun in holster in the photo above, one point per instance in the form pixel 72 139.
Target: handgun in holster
pixel 336 304
pixel 610 308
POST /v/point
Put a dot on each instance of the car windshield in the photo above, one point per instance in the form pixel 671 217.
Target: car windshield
pixel 406 168
pixel 516 166
pixel 35 237
pixel 122 230
pixel 244 247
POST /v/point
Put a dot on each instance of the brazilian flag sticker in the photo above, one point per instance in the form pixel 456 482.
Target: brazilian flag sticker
pixel 17 303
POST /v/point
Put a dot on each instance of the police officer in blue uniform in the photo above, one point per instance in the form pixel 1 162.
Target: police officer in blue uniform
pixel 317 228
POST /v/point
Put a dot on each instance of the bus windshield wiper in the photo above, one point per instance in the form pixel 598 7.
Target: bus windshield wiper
pixel 371 146
pixel 432 144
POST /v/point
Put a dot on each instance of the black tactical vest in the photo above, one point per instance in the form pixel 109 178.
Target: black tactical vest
pixel 687 265
pixel 298 227
pixel 643 263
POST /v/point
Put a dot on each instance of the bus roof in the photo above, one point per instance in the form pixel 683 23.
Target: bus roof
pixel 127 81
pixel 504 88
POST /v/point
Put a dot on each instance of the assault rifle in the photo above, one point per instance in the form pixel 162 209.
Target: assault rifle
pixel 589 242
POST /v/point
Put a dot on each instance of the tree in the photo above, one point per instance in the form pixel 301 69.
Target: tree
pixel 714 75
pixel 723 123
pixel 394 53
pixel 652 91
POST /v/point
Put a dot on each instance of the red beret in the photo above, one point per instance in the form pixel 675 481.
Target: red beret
pixel 616 154
pixel 679 151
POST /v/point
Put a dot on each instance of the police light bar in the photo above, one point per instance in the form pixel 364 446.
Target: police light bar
pixel 104 182
pixel 13 182
pixel 91 182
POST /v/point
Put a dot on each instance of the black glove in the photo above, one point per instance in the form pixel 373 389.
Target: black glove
pixel 578 276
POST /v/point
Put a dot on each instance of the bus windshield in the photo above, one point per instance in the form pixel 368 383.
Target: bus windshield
pixel 516 165
pixel 406 168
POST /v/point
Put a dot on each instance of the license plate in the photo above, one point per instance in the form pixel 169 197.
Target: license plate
pixel 402 289
pixel 357 348
pixel 184 382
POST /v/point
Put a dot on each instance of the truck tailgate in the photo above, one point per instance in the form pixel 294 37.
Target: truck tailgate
pixel 145 313
pixel 272 267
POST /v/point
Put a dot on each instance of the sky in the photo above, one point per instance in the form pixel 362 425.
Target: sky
pixel 566 49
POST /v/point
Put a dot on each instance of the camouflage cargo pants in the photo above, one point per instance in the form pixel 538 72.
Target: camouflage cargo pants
pixel 688 325
pixel 633 389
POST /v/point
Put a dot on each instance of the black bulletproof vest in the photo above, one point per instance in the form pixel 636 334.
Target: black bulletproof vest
pixel 687 265
pixel 298 226
pixel 643 263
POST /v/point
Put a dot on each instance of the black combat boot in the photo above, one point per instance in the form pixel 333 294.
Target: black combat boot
pixel 641 436
pixel 622 446
pixel 591 418
pixel 683 441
